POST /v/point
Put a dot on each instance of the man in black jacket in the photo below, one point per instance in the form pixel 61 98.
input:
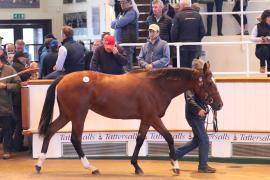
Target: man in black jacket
pixel 109 58
pixel 162 20
pixel 196 111
pixel 187 27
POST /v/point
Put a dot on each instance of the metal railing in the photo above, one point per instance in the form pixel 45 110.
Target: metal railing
pixel 247 44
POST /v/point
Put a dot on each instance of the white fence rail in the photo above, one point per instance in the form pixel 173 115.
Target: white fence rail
pixel 247 44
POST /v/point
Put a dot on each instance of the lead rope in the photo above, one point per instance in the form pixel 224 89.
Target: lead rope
pixel 214 122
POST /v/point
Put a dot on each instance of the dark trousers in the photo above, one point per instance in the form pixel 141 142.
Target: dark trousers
pixel 18 137
pixel 237 16
pixel 6 123
pixel 200 140
pixel 210 8
pixel 186 57
pixel 263 54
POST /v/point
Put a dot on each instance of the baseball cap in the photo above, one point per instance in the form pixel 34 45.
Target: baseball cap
pixel 154 27
pixel 54 43
pixel 109 40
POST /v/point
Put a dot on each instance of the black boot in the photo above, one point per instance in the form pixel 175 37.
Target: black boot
pixel 206 169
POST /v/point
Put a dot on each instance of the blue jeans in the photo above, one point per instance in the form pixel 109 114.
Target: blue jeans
pixel 200 140
pixel 129 50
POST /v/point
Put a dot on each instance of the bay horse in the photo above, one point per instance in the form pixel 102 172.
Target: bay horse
pixel 140 94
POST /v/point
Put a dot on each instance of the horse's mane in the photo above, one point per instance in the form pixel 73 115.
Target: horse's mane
pixel 167 73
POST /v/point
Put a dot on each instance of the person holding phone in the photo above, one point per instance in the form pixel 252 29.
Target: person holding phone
pixel 109 58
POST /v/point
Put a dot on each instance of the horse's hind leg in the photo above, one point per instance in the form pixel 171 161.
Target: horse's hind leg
pixel 139 141
pixel 76 140
pixel 57 124
pixel 158 125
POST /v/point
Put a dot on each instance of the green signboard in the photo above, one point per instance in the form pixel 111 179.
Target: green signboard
pixel 18 16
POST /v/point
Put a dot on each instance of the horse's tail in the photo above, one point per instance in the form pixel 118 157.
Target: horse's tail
pixel 47 111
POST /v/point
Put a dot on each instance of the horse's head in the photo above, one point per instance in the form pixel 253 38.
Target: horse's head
pixel 206 88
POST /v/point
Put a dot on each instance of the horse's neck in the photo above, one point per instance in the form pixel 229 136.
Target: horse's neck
pixel 177 87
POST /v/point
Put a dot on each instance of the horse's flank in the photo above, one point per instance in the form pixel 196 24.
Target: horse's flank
pixel 128 96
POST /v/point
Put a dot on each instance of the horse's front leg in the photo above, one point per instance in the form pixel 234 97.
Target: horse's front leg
pixel 139 141
pixel 159 127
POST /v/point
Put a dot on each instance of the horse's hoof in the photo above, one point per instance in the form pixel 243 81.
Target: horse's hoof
pixel 38 168
pixel 176 171
pixel 96 172
pixel 139 172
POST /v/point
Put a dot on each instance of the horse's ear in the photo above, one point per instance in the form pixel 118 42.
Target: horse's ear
pixel 206 67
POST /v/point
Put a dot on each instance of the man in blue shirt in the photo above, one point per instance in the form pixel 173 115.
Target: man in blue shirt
pixel 156 52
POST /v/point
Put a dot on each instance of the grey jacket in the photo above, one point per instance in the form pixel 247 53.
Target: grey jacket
pixel 13 85
pixel 157 54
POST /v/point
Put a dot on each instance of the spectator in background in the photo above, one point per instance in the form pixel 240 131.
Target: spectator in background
pixel 70 55
pixel 3 56
pixel 20 63
pixel 43 54
pixel 168 9
pixel 126 28
pixel 109 58
pixel 10 58
pixel 10 48
pixel 162 20
pixel 42 46
pixel 261 35
pixel 10 51
pixel 210 8
pixel 50 58
pixel 187 27
pixel 237 17
pixel 117 7
pixel 156 52
pixel 89 56
pixel 7 87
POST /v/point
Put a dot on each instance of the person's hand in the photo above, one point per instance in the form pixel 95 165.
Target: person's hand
pixel 202 113
pixel 115 50
pixel 149 67
pixel 3 85
pixel 54 68
pixel 264 40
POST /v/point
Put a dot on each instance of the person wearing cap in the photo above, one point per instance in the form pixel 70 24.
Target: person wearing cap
pixel 20 63
pixel 187 27
pixel 43 54
pixel 126 28
pixel 261 35
pixel 109 58
pixel 40 49
pixel 156 52
pixel 7 87
pixel 70 55
pixel 196 110
pixel 161 19
pixel 50 59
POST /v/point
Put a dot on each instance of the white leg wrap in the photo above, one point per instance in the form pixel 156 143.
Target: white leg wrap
pixel 175 164
pixel 41 159
pixel 87 165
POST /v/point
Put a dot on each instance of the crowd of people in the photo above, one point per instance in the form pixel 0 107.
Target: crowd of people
pixel 165 24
